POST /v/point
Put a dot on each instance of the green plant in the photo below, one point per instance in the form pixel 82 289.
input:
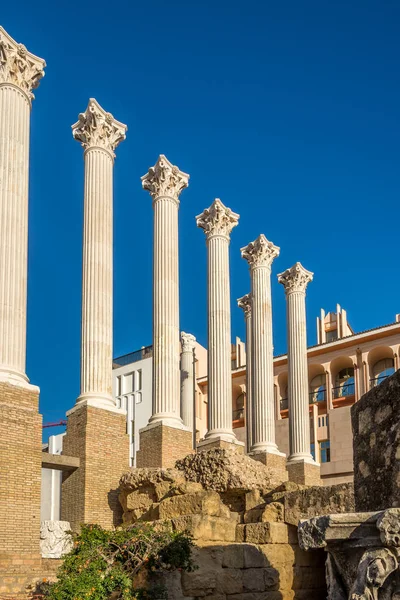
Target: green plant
pixel 114 564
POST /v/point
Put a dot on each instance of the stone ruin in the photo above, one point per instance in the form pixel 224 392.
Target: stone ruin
pixel 243 520
pixel 363 548
pixel 260 538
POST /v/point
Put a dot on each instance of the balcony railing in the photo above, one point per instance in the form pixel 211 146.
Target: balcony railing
pixel 341 391
pixel 317 396
pixel 238 414
pixel 127 359
pixel 284 403
pixel 378 380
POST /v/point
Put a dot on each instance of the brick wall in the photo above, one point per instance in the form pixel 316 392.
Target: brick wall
pixel 20 483
pixel 162 446
pixel 90 494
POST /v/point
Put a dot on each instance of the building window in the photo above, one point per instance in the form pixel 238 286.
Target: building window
pixel 138 380
pixel 344 383
pixel 318 389
pixel 381 370
pixel 312 450
pixel 325 451
pixel 238 412
pixel 332 336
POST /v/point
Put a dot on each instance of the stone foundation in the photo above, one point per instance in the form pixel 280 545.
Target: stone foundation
pixel 304 473
pixel 90 494
pixel 20 487
pixel 162 446
pixel 277 462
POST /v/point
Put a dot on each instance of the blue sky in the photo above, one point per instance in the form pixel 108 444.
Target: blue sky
pixel 288 111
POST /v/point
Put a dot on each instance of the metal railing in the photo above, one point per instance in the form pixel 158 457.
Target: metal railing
pixel 377 380
pixel 341 391
pixel 317 396
pixel 238 414
pixel 127 359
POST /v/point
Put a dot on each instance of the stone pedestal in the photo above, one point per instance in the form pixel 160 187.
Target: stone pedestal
pixel 217 223
pixel 20 488
pixel 304 473
pixel 210 443
pixel 277 462
pixel 162 446
pixel 90 494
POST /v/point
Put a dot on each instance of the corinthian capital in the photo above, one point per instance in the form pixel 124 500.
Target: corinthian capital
pixel 188 342
pixel 18 66
pixel 217 220
pixel 97 128
pixel 295 279
pixel 260 253
pixel 245 303
pixel 165 180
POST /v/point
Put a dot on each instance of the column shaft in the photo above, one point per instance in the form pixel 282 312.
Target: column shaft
pixel 187 400
pixel 249 391
pixel 166 350
pixel 219 340
pixel 97 281
pixel 299 419
pixel 14 172
pixel 263 375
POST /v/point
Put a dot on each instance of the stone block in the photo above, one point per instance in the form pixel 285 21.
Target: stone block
pixel 233 556
pixel 304 473
pixel 376 446
pixel 272 579
pixel 206 528
pixel 162 446
pixel 276 462
pixel 267 533
pixel 199 583
pixel 278 555
pixel 230 581
pixel 253 580
pixel 253 499
pixel 212 444
pixel 253 557
pixel 315 501
pixel 204 503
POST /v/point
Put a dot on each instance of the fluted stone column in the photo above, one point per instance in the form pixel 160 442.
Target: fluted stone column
pixel 301 466
pixel 96 428
pixel 245 303
pixel 187 379
pixel 20 421
pixel 99 134
pixel 20 73
pixel 165 439
pixel 217 223
pixel 260 255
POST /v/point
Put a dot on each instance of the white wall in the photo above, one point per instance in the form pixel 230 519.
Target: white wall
pixel 132 386
pixel 50 505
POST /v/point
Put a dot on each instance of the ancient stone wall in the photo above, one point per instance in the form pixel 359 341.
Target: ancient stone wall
pixel 376 435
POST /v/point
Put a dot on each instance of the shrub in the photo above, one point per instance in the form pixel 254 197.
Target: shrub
pixel 110 564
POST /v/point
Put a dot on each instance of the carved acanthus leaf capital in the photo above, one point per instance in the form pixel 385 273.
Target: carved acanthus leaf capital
pixel 18 66
pixel 245 303
pixel 165 180
pixel 218 220
pixel 260 253
pixel 97 128
pixel 188 342
pixel 295 279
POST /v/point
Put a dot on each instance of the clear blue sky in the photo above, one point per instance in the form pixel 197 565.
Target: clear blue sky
pixel 288 111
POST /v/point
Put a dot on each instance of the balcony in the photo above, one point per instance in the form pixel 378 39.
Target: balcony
pixel 317 396
pixel 343 391
pixel 284 403
pixel 378 380
pixel 238 418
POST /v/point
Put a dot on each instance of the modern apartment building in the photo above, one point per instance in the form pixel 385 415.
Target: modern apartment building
pixel 342 366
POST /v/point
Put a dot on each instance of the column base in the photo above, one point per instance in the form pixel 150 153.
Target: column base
pixel 304 473
pixel 216 442
pixel 97 401
pixel 20 488
pixel 161 446
pixel 275 461
pixel 90 494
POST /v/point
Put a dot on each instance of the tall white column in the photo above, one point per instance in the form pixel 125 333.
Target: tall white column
pixel 187 379
pixel 245 303
pixel 260 254
pixel 20 73
pixel 295 281
pixel 99 134
pixel 165 182
pixel 217 223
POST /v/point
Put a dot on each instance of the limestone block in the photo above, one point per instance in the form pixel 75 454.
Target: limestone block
pixel 199 583
pixel 253 499
pixel 206 528
pixel 272 512
pixel 55 539
pixel 254 557
pixel 240 533
pixel 230 581
pixel 141 498
pixel 272 578
pixel 253 580
pixel 315 501
pixel 277 555
pixel 267 533
pixel 204 503
pixel 233 556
